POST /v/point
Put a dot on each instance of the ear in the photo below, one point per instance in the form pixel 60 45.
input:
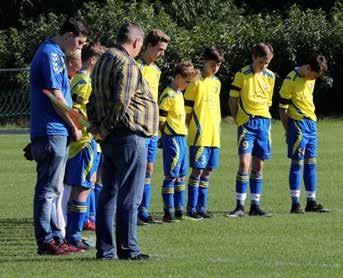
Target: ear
pixel 135 43
pixel 92 60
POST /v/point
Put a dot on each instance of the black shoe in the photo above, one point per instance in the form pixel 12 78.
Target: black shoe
pixel 313 206
pixel 141 222
pixel 296 208
pixel 151 220
pixel 80 244
pixel 206 214
pixel 168 218
pixel 139 257
pixel 237 212
pixel 194 215
pixel 179 215
pixel 256 211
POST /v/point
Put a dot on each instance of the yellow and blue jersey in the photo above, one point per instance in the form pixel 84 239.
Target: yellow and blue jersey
pixel 297 96
pixel 81 88
pixel 172 112
pixel 151 74
pixel 203 102
pixel 255 92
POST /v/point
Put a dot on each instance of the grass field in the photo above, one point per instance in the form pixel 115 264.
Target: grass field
pixel 284 245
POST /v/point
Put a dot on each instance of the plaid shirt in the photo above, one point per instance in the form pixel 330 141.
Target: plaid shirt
pixel 121 97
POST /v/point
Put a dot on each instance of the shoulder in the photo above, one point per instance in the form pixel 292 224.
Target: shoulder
pixel 292 76
pixel 246 70
pixel 268 73
pixel 168 92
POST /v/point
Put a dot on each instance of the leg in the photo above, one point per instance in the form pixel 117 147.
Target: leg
pixel 203 193
pixel 179 197
pixel 168 198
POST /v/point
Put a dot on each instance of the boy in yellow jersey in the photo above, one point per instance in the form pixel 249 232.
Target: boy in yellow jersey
pixel 202 105
pixel 299 121
pixel 83 159
pixel 250 98
pixel 156 44
pixel 172 124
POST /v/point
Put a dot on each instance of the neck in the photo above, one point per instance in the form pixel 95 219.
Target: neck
pixel 256 69
pixel 86 69
pixel 173 85
pixel 206 74
pixel 147 58
pixel 128 49
pixel 59 41
pixel 302 71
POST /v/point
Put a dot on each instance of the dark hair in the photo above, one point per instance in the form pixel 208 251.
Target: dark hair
pixel 318 63
pixel 94 49
pixel 111 41
pixel 262 50
pixel 212 53
pixel 186 69
pixel 76 26
pixel 155 36
pixel 128 32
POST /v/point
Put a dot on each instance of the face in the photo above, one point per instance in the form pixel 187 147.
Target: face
pixel 73 43
pixel 181 82
pixel 157 52
pixel 310 74
pixel 211 67
pixel 261 63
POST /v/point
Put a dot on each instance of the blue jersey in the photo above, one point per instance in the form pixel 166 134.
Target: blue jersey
pixel 48 71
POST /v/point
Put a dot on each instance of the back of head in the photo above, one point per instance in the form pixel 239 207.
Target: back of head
pixel 155 36
pixel 76 26
pixel 129 32
pixel 93 49
pixel 318 64
pixel 111 42
pixel 262 50
pixel 212 53
pixel 186 70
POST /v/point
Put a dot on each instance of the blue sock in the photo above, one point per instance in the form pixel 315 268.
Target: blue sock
pixel 179 195
pixel 143 210
pixel 203 195
pixel 168 195
pixel 77 212
pixel 256 183
pixel 92 212
pixel 310 178
pixel 242 183
pixel 193 192
pixel 295 180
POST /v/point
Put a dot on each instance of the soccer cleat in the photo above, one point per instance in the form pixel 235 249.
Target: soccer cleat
pixel 313 206
pixel 140 222
pixel 139 257
pixel 151 220
pixel 179 215
pixel 206 214
pixel 256 211
pixel 80 244
pixel 237 212
pixel 69 248
pixel 168 218
pixel 50 248
pixel 195 216
pixel 89 226
pixel 296 208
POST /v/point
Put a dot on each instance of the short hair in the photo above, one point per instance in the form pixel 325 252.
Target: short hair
pixel 76 26
pixel 111 41
pixel 74 55
pixel 212 53
pixel 262 50
pixel 94 49
pixel 186 69
pixel 128 32
pixel 318 63
pixel 155 36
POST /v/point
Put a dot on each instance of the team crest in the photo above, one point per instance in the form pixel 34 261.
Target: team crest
pixel 245 144
pixel 265 86
pixel 216 90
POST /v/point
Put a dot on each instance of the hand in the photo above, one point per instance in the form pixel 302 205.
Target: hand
pixel 76 134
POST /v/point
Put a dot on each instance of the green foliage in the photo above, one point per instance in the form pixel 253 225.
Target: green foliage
pixel 295 34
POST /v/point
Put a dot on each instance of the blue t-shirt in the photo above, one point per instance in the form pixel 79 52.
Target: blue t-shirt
pixel 48 71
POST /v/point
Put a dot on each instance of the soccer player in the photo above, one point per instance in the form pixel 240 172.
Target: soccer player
pixel 83 161
pixel 50 127
pixel 156 44
pixel 172 124
pixel 203 118
pixel 250 98
pixel 299 121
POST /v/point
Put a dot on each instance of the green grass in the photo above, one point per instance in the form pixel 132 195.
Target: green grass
pixel 281 246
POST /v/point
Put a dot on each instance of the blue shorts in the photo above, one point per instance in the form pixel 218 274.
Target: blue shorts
pixel 151 147
pixel 254 137
pixel 203 157
pixel 80 168
pixel 302 139
pixel 174 156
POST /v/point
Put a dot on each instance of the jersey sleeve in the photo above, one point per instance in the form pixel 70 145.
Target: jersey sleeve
pixel 164 106
pixel 79 93
pixel 271 91
pixel 53 68
pixel 189 97
pixel 237 84
pixel 286 93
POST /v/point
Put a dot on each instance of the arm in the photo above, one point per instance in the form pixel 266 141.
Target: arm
pixel 233 105
pixel 284 119
pixel 285 100
pixel 188 119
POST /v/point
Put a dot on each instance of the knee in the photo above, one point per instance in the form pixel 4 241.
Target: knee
pixel 149 169
pixel 197 173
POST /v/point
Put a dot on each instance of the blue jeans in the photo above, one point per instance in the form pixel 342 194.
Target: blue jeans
pixel 123 173
pixel 50 153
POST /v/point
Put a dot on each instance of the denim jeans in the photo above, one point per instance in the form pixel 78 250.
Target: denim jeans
pixel 50 153
pixel 123 173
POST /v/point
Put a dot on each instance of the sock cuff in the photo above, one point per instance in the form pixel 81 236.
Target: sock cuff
pixel 256 175
pixel 311 160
